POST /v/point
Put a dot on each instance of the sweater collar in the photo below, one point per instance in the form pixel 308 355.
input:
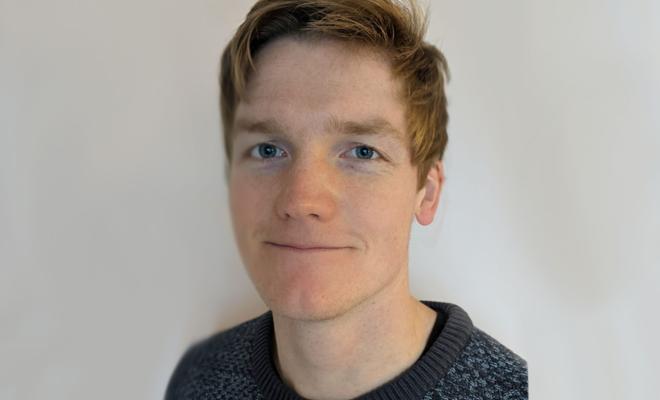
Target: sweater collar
pixel 413 383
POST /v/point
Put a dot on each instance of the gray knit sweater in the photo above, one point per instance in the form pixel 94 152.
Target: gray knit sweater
pixel 462 363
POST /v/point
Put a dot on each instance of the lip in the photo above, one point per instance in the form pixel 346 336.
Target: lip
pixel 303 247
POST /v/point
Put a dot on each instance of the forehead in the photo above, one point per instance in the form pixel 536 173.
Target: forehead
pixel 308 84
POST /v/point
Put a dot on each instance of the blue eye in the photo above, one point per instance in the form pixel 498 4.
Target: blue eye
pixel 365 153
pixel 265 151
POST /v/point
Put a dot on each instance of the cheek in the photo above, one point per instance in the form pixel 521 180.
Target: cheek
pixel 247 202
pixel 383 215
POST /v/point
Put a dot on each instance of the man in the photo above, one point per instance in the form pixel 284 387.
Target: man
pixel 334 116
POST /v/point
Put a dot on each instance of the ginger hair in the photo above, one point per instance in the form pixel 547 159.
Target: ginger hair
pixel 395 27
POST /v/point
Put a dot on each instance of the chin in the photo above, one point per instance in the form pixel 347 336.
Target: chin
pixel 309 307
pixel 304 292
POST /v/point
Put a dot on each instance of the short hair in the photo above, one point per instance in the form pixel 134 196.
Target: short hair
pixel 392 26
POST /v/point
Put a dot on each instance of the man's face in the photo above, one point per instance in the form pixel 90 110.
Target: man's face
pixel 322 190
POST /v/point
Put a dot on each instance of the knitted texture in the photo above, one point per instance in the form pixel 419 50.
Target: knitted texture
pixel 463 363
pixel 485 370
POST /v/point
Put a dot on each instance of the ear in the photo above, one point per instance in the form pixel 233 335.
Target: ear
pixel 428 197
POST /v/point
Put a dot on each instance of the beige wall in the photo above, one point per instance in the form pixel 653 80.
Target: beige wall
pixel 115 245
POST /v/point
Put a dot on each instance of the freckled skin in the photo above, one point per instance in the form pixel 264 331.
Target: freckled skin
pixel 319 191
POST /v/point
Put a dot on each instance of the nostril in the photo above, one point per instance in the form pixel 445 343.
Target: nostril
pixel 305 199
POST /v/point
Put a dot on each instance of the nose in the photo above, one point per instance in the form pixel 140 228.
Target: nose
pixel 308 192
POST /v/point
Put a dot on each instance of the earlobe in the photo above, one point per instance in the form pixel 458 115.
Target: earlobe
pixel 429 195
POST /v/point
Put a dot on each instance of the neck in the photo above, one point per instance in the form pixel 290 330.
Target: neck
pixel 356 352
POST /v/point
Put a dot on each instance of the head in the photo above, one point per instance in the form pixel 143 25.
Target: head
pixel 334 116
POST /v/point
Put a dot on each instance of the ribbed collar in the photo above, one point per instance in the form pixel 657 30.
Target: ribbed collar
pixel 413 383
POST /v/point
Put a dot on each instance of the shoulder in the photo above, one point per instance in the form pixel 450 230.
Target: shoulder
pixel 216 364
pixel 486 369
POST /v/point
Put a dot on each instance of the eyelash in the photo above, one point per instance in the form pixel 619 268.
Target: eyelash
pixel 378 154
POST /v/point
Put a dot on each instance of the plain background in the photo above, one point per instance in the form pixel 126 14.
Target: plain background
pixel 116 249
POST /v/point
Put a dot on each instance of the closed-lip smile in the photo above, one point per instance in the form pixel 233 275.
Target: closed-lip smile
pixel 303 247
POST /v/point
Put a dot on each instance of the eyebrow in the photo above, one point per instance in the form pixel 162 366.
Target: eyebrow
pixel 376 126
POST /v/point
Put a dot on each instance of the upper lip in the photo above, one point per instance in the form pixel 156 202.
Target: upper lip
pixel 305 246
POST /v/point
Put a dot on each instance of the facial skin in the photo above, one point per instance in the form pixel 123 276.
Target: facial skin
pixel 321 162
pixel 303 174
